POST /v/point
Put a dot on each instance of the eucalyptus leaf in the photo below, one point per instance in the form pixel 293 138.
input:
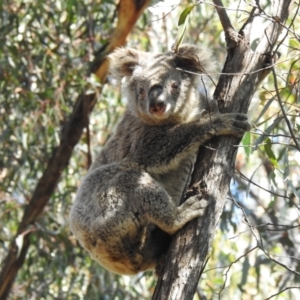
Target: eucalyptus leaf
pixel 246 141
pixel 270 153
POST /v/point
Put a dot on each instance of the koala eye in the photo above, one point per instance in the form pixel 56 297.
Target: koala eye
pixel 174 85
pixel 141 90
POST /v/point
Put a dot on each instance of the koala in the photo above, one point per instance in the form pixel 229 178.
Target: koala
pixel 128 205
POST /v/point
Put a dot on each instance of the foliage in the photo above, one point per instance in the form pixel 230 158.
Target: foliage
pixel 45 57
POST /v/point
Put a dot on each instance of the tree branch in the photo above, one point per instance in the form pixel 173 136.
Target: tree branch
pixel 283 111
pixel 231 35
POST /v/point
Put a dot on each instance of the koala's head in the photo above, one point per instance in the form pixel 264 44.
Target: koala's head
pixel 162 88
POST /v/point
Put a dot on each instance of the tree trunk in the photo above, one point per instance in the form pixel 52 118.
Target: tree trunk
pixel 185 261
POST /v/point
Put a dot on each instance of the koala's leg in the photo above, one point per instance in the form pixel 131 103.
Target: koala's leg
pixel 172 219
pixel 150 202
pixel 121 198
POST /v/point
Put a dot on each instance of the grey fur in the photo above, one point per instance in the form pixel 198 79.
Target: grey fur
pixel 128 204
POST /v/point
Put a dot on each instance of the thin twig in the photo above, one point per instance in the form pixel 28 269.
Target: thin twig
pixel 252 182
pixel 282 109
pixel 285 289
pixel 230 265
pixel 259 241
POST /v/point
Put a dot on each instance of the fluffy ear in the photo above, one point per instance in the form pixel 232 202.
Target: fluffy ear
pixel 194 59
pixel 123 61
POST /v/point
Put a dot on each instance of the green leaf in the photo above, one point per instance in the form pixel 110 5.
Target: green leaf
pixel 185 14
pixel 182 25
pixel 246 141
pixel 270 153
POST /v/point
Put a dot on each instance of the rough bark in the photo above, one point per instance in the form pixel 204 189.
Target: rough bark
pixel 179 276
pixel 128 13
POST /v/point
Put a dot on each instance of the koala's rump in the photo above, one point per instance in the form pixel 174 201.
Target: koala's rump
pixel 111 223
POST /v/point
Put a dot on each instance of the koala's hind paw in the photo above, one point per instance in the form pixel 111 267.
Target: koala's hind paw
pixel 195 205
pixel 189 210
pixel 200 203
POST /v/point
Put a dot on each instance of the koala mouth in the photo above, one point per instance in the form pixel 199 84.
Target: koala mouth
pixel 160 110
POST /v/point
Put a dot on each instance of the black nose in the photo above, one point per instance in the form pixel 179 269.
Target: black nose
pixel 157 108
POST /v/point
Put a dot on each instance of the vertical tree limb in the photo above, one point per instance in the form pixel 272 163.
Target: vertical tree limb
pixel 180 274
pixel 231 35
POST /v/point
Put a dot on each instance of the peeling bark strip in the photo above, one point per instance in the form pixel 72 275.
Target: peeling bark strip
pixel 185 260
pixel 128 13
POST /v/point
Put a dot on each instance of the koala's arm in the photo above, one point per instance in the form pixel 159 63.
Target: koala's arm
pixel 162 147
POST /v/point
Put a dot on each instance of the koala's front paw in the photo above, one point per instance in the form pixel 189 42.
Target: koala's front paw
pixel 232 123
pixel 241 123
pixel 228 123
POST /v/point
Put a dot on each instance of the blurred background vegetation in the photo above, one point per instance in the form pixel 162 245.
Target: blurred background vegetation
pixel 47 52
